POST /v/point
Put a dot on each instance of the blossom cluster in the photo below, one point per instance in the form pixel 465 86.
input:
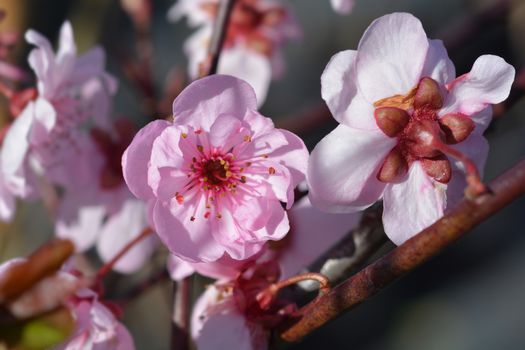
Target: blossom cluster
pixel 217 182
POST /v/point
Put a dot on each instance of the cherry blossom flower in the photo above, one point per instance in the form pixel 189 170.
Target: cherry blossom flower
pixel 403 114
pixel 343 6
pixel 217 174
pixel 103 212
pixel 45 137
pixel 96 326
pixel 257 31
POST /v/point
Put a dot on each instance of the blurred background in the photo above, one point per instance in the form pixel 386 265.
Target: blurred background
pixel 469 297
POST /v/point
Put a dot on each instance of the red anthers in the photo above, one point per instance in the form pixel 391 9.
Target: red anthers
pixel 422 135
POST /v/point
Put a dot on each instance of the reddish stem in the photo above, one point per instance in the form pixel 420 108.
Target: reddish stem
pixel 109 265
pixel 274 288
pixel 475 184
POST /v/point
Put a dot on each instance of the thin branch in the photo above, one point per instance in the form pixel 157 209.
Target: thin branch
pixel 109 265
pixel 374 278
pixel 219 34
pixel 181 314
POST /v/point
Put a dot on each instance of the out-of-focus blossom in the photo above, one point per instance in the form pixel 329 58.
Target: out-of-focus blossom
pixel 401 111
pixel 45 138
pixel 103 212
pixel 343 6
pixel 96 326
pixel 217 174
pixel 257 31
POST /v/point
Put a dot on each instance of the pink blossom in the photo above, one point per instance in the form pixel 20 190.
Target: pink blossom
pixel 46 137
pixel 343 6
pixel 217 174
pixel 397 99
pixel 257 31
pixel 96 326
pixel 103 212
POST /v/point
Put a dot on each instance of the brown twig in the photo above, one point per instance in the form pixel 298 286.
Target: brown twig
pixel 181 314
pixel 109 265
pixel 374 278
pixel 220 28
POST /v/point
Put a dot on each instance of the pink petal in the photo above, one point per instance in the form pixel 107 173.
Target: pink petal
pixel 190 240
pixel 489 82
pixel 340 92
pixel 412 205
pixel 438 65
pixel 44 121
pixel 343 168
pixel 476 148
pixel 7 202
pixel 178 268
pixel 343 6
pixel 137 157
pixel 225 268
pixel 79 222
pixel 206 300
pixel 14 151
pixel 250 66
pixel 313 233
pixel 165 170
pixel 67 50
pixel 266 218
pixel 124 339
pixel 225 331
pixel 204 100
pixel 120 229
pixel 391 56
pixel 224 132
pixel 234 239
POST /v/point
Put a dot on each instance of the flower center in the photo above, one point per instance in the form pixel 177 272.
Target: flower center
pixel 215 172
pixel 421 134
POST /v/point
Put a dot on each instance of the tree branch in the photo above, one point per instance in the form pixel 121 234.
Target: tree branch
pixel 220 29
pixel 374 278
pixel 181 314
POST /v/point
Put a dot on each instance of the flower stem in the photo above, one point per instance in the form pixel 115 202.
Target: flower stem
pixel 109 265
pixel 474 182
